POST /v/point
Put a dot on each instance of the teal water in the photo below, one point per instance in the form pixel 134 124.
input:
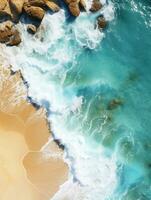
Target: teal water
pixel 75 72
pixel 123 64
pixel 131 33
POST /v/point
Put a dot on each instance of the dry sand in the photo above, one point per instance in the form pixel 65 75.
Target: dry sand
pixel 26 173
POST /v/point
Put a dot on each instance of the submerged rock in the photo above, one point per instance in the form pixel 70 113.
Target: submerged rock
pixel 114 104
pixel 96 6
pixel 101 22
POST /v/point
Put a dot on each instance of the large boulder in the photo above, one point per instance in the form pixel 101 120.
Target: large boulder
pixel 50 4
pixel 53 6
pixel 5 12
pixel 16 7
pixel 9 34
pixel 74 7
pixel 5 31
pixel 15 39
pixel 34 11
pixel 96 6
pixel 39 3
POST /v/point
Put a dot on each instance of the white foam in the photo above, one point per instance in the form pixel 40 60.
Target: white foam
pixel 108 11
pixel 85 32
pixel 96 174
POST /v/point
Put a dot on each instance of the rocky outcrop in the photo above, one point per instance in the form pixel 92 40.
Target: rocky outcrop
pixel 12 10
pixel 101 22
pixel 36 8
pixel 96 6
pixel 5 12
pixel 5 31
pixel 16 7
pixel 39 3
pixel 75 6
pixel 52 5
pixel 15 39
pixel 9 34
pixel 34 12
pixel 45 4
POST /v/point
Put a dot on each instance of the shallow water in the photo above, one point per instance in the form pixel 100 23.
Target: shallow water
pixel 75 71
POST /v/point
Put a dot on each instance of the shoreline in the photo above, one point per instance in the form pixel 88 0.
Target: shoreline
pixel 64 193
pixel 27 113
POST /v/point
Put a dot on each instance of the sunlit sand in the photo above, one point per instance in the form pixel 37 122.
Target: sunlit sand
pixel 31 168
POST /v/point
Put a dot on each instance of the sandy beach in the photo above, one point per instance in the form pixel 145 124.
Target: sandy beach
pixel 26 171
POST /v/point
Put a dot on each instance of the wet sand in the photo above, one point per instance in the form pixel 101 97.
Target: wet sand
pixel 31 168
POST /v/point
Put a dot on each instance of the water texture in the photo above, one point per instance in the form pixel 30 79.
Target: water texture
pixel 96 87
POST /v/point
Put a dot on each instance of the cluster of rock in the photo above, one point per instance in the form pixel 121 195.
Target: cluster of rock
pixel 11 11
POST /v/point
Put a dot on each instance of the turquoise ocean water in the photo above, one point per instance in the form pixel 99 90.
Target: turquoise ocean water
pixel 75 71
